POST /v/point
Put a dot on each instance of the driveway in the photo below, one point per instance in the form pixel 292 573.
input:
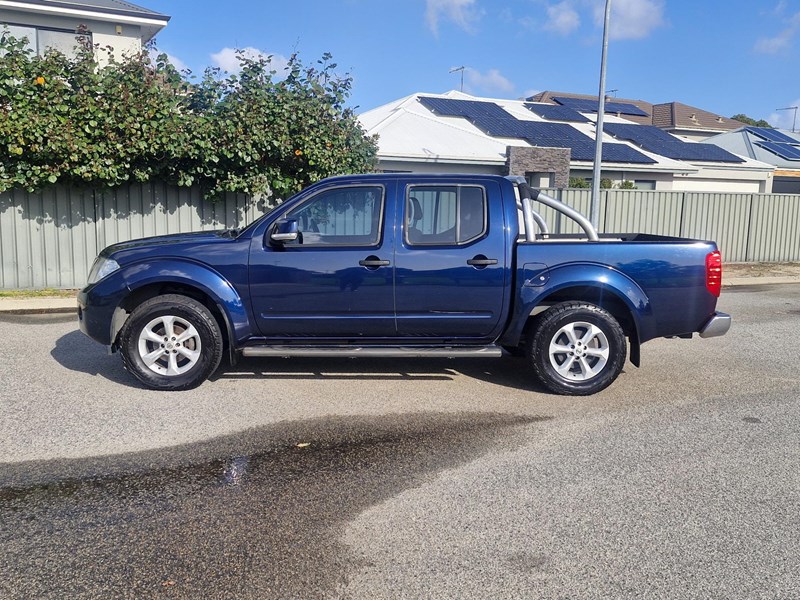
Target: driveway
pixel 387 479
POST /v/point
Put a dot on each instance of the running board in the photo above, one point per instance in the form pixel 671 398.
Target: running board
pixel 374 352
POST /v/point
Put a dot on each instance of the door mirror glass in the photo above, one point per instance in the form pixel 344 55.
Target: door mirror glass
pixel 285 230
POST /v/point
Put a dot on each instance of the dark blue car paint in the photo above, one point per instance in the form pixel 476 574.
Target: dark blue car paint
pixel 270 293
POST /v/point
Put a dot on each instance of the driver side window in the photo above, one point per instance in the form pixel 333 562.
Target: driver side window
pixel 348 216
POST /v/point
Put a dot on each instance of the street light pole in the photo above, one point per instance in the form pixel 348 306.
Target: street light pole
pixel 598 136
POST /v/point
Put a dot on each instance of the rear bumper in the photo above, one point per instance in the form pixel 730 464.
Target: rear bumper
pixel 716 325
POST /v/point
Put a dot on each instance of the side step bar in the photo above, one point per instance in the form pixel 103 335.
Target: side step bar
pixel 374 351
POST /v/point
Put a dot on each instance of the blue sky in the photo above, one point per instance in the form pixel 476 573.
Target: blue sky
pixel 725 56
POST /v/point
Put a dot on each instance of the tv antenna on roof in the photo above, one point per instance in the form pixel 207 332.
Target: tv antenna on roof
pixel 794 121
pixel 461 68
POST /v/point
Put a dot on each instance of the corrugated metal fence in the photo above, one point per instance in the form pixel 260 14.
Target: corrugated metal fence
pixel 50 238
pixel 746 227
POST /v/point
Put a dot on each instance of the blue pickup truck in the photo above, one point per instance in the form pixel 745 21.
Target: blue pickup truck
pixel 401 265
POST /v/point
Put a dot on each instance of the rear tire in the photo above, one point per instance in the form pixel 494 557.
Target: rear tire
pixel 171 342
pixel 577 349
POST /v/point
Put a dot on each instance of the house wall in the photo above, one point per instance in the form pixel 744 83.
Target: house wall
pixel 104 34
pixel 408 166
pixel 659 181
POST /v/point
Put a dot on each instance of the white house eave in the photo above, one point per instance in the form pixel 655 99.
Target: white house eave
pixel 438 158
pixel 144 21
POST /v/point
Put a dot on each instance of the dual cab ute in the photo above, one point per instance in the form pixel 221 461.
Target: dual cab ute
pixel 401 265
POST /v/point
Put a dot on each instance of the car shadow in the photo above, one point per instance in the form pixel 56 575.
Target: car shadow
pixel 76 352
pixel 506 371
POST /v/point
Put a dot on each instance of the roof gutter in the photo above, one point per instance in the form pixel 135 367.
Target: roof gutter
pixel 98 14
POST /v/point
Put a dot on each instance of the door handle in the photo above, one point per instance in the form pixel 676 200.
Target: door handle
pixel 481 261
pixel 373 262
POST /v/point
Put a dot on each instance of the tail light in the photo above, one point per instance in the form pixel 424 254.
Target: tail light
pixel 714 272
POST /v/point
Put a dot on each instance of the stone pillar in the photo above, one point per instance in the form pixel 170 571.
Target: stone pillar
pixel 525 160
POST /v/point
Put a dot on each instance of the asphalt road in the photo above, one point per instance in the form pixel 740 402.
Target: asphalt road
pixel 405 479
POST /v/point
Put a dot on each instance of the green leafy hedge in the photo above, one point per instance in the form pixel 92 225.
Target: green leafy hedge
pixel 259 132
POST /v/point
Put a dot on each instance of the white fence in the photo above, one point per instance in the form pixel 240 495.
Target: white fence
pixel 49 239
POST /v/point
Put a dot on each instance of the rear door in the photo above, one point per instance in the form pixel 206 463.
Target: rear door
pixel 450 264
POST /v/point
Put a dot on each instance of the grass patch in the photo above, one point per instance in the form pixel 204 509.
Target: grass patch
pixel 45 293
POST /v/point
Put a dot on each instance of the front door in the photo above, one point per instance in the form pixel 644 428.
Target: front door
pixel 336 280
pixel 450 264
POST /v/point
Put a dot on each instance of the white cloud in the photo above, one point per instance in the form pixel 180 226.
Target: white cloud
pixel 461 12
pixel 782 41
pixel 491 82
pixel 632 19
pixel 785 119
pixel 227 59
pixel 562 18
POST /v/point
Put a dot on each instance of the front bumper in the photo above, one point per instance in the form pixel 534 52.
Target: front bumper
pixel 717 325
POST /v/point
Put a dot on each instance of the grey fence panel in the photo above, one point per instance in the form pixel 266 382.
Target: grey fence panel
pixel 721 217
pixel 580 200
pixel 50 238
pixel 14 240
pixel 774 228
pixel 643 212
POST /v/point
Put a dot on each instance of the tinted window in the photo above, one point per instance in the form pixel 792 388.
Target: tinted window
pixel 343 216
pixel 445 214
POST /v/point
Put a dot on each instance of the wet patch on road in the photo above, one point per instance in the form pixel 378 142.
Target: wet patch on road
pixel 254 515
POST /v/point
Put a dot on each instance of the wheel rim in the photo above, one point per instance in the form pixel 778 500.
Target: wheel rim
pixel 579 351
pixel 169 345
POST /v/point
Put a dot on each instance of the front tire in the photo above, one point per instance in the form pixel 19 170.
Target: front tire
pixel 171 342
pixel 577 349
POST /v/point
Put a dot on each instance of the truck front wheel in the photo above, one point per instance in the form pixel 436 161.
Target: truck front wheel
pixel 171 342
pixel 577 349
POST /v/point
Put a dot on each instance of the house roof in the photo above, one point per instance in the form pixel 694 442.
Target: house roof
pixel 745 141
pixel 665 115
pixel 410 130
pixel 114 7
pixel 675 115
pixel 550 98
pixel 151 22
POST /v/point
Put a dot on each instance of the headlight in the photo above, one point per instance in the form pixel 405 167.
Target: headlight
pixel 102 267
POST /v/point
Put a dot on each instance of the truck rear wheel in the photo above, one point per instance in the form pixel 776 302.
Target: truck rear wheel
pixel 577 349
pixel 171 342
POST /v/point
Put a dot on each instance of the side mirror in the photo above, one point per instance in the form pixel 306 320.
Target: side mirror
pixel 285 230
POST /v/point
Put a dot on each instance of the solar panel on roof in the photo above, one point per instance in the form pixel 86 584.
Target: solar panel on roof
pixel 587 105
pixel 655 140
pixel 624 154
pixel 787 151
pixel 555 112
pixel 772 135
pixel 498 127
pixel 496 122
pixel 470 109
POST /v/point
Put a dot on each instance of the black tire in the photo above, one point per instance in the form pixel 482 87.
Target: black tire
pixel 181 361
pixel 577 349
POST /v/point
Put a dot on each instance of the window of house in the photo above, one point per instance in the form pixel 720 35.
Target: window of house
pixel 445 214
pixel 39 39
pixel 349 216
